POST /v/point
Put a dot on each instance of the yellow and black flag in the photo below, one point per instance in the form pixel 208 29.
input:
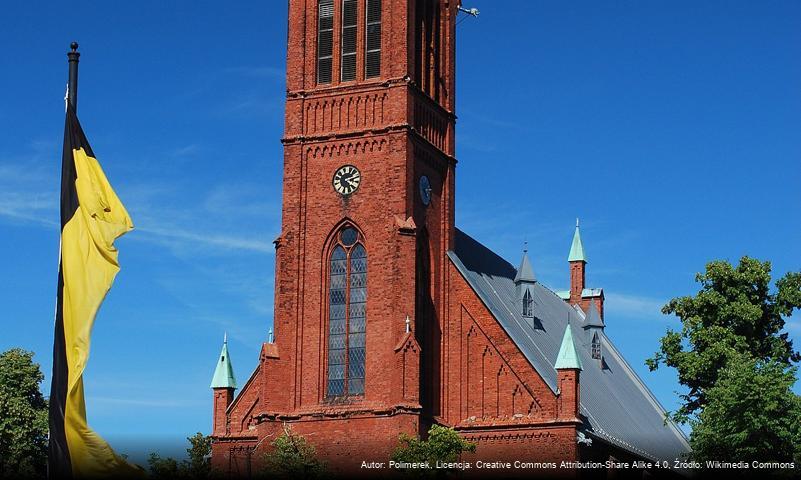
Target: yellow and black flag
pixel 92 217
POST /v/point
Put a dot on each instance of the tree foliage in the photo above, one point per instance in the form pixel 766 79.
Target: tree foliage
pixel 751 413
pixel 23 416
pixel 292 456
pixel 736 363
pixel 443 444
pixel 734 315
pixel 197 467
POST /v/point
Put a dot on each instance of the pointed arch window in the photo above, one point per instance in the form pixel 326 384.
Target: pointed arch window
pixel 528 304
pixel 347 315
pixel 596 346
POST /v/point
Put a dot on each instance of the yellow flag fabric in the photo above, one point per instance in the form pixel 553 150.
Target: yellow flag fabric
pixel 92 218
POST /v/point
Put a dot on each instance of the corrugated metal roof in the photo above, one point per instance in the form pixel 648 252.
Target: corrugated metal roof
pixel 617 406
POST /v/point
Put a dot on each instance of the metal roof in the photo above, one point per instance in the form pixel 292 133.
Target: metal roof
pixel 616 405
pixel 224 373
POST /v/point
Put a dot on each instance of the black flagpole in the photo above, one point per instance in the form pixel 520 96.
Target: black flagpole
pixel 73 56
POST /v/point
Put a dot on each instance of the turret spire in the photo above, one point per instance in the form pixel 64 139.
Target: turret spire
pixel 577 248
pixel 224 373
pixel 594 319
pixel 568 357
pixel 525 273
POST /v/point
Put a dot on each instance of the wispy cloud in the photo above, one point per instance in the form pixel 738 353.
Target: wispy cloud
pixel 26 192
pixel 140 402
pixel 257 71
pixel 178 238
pixel 634 306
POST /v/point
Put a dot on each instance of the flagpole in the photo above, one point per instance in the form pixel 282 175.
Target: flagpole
pixel 73 56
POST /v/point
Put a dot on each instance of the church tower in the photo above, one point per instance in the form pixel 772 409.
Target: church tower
pixel 367 220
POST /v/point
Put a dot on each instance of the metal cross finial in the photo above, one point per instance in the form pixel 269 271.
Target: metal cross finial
pixel 408 324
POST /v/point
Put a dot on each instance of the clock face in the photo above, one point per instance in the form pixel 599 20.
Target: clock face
pixel 425 190
pixel 347 179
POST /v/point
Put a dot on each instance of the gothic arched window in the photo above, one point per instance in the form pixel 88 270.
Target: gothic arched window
pixel 347 298
pixel 528 304
pixel 596 346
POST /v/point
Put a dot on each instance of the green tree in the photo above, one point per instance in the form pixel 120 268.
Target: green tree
pixel 443 444
pixel 750 414
pixel 197 467
pixel 736 363
pixel 734 315
pixel 292 456
pixel 23 416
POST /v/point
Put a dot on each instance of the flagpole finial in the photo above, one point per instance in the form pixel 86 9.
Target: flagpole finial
pixel 73 55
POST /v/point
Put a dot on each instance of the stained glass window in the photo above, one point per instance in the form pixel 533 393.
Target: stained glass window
pixel 347 315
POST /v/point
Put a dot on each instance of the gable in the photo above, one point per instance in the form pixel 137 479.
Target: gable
pixel 495 381
pixel 616 405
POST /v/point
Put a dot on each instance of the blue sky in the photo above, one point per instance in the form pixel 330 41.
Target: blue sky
pixel 673 129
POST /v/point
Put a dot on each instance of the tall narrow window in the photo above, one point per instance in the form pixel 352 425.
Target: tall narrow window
pixel 596 346
pixel 347 315
pixel 349 19
pixel 528 304
pixel 372 55
pixel 325 40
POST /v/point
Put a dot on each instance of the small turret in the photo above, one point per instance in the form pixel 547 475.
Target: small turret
pixel 568 369
pixel 224 384
pixel 578 262
pixel 593 320
pixel 524 280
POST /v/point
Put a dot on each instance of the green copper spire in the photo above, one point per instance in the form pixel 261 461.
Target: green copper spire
pixel 224 373
pixel 577 249
pixel 568 356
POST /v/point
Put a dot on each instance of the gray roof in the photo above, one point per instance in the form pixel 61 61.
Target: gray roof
pixel 616 405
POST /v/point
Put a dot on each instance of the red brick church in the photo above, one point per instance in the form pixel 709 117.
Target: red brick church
pixel 389 319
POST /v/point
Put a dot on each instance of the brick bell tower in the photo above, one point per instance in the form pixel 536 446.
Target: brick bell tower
pixel 368 216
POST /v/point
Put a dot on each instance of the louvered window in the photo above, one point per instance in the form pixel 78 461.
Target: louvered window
pixel 349 18
pixel 528 304
pixel 325 40
pixel 373 40
pixel 347 315
pixel 596 346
